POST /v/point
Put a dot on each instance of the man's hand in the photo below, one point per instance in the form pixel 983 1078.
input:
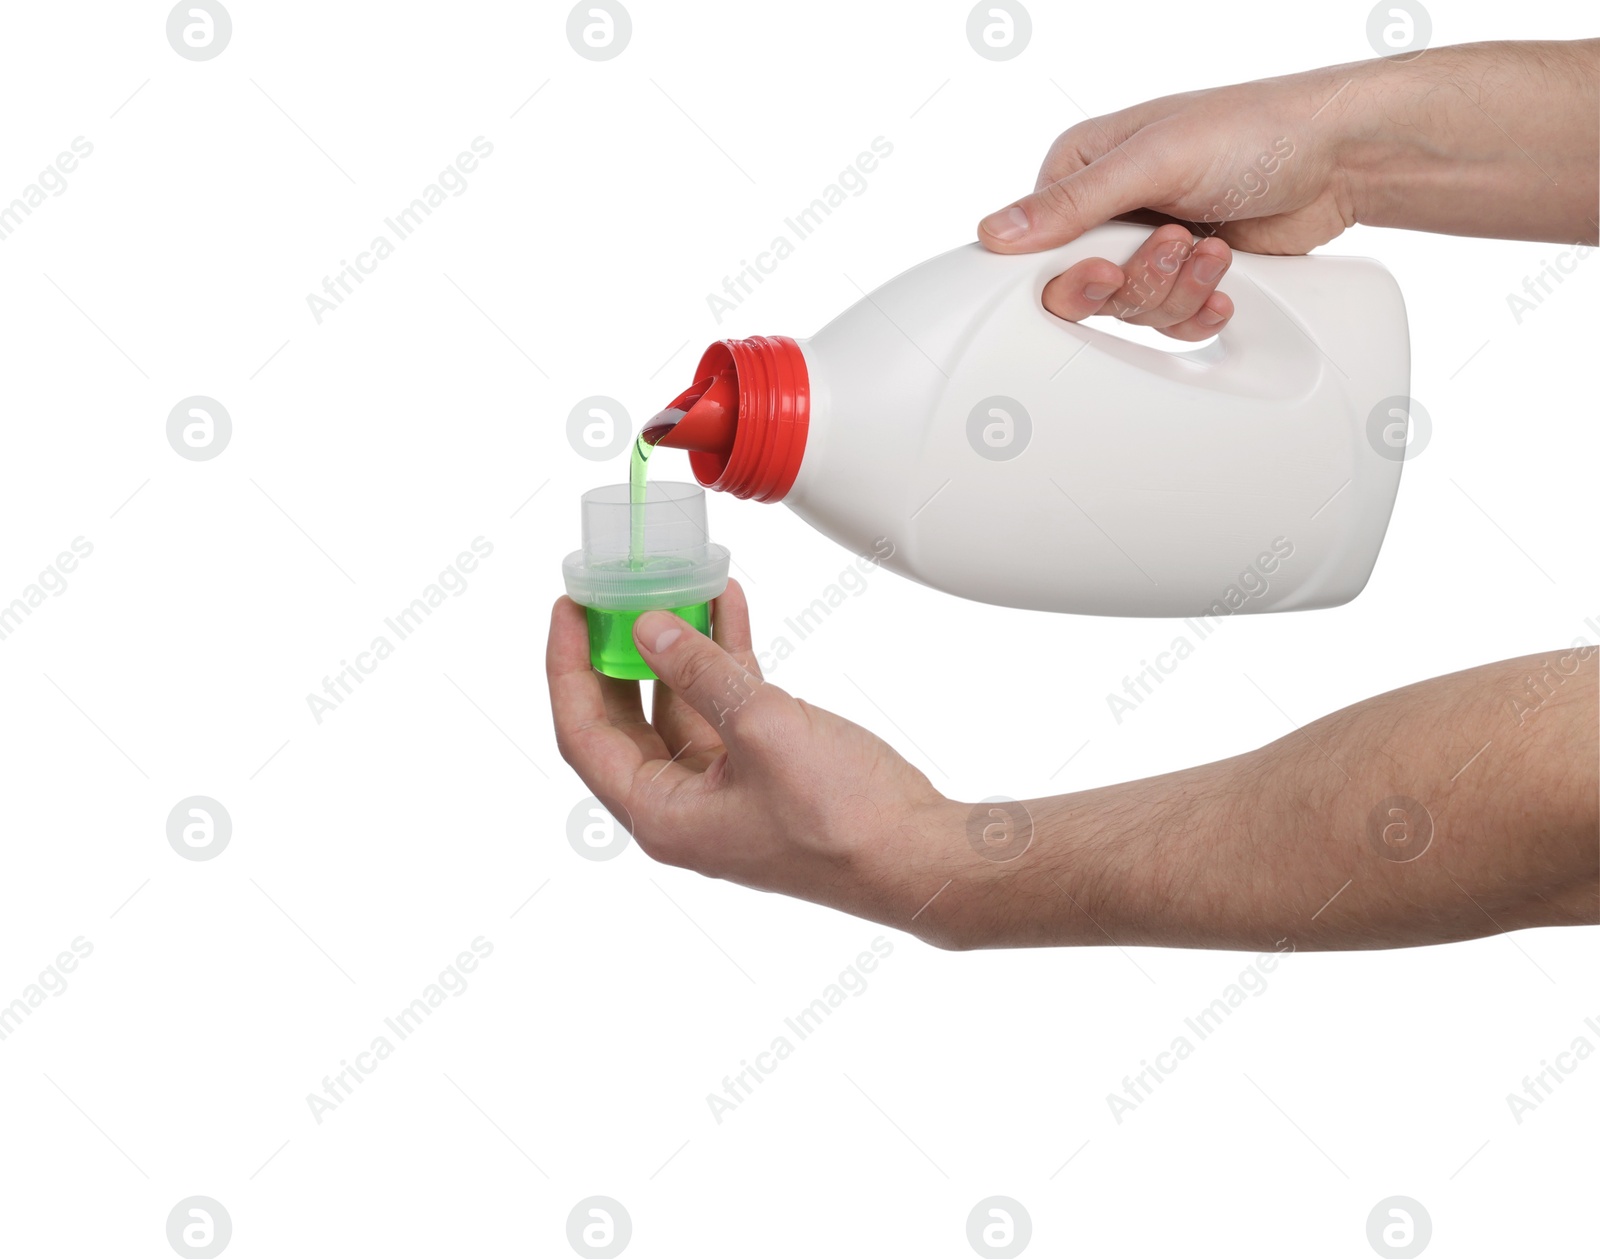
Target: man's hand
pixel 1283 165
pixel 1362 830
pixel 737 779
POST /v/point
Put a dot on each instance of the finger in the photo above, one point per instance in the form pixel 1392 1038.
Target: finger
pixel 689 740
pixel 1083 288
pixel 622 700
pixel 1063 211
pixel 625 711
pixel 1197 279
pixel 1206 322
pixel 605 757
pixel 719 688
pixel 676 721
pixel 1151 272
pixel 730 626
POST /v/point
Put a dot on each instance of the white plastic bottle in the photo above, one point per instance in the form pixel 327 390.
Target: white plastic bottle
pixel 1014 458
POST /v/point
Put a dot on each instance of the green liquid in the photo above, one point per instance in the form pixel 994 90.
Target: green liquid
pixel 611 649
pixel 638 471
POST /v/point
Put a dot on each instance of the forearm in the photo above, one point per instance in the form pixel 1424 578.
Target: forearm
pixel 1458 807
pixel 1498 139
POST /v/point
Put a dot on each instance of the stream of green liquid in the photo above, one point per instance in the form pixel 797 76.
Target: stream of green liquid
pixel 611 647
pixel 638 470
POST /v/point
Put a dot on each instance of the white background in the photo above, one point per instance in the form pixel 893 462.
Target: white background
pixel 369 850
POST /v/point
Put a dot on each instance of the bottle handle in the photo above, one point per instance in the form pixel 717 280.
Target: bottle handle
pixel 1264 289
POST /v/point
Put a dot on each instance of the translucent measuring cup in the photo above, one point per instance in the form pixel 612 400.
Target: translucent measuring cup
pixel 678 568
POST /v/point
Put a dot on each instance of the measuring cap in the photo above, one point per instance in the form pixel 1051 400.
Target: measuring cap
pixel 677 568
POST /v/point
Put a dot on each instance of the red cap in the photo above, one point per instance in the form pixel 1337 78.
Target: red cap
pixel 744 421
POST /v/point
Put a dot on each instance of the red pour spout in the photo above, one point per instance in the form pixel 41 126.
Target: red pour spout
pixel 703 417
pixel 745 419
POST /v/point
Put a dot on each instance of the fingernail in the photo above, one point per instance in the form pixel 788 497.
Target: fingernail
pixel 1167 260
pixel 1098 292
pixel 1007 224
pixel 1208 268
pixel 1208 318
pixel 657 631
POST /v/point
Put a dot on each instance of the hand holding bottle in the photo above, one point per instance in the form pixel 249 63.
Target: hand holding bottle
pixel 1478 140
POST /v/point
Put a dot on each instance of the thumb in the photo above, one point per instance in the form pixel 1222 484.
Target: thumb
pixel 1064 210
pixel 713 683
